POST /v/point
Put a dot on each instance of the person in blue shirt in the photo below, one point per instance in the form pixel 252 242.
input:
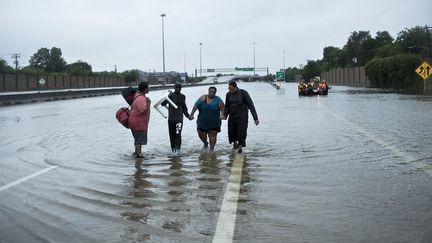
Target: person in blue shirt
pixel 211 110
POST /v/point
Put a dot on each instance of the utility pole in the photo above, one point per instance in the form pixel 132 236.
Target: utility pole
pixel 16 56
pixel 429 42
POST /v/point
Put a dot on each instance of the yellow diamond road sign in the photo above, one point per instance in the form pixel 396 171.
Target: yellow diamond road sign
pixel 424 70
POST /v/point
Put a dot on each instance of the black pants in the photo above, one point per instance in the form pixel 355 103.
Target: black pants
pixel 237 130
pixel 175 129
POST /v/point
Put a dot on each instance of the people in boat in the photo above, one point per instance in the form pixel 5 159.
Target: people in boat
pixel 324 87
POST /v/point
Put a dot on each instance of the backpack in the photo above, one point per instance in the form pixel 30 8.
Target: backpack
pixel 128 94
pixel 123 113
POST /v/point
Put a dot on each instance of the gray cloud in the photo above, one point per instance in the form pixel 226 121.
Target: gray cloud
pixel 128 33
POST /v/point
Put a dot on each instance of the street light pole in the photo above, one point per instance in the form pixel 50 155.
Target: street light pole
pixel 200 44
pixel 254 57
pixel 184 61
pixel 163 46
pixel 284 59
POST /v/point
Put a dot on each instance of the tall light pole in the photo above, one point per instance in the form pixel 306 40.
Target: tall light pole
pixel 284 59
pixel 254 57
pixel 184 61
pixel 163 46
pixel 200 44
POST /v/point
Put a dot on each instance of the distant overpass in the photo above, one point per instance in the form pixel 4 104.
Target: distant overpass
pixel 229 78
pixel 234 71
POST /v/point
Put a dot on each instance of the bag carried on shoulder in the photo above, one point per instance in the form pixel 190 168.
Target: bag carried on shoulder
pixel 122 116
pixel 123 113
pixel 129 94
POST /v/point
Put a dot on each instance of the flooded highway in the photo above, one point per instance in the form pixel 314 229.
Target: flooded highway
pixel 353 166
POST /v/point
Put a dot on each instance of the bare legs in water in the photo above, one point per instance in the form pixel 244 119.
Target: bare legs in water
pixel 212 138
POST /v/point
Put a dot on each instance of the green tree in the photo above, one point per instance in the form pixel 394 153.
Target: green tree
pixel 383 38
pixel 48 60
pixel 56 62
pixel 355 49
pixel 388 50
pixel 330 57
pixel 131 75
pixel 415 40
pixel 396 71
pixel 32 70
pixel 342 58
pixel 79 68
pixel 4 67
pixel 40 60
pixel 312 69
pixel 290 73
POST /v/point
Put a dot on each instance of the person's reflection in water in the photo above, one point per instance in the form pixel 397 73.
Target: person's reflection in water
pixel 210 191
pixel 139 211
pixel 176 194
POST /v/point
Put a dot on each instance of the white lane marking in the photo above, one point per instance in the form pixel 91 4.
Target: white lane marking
pixel 228 213
pixel 408 159
pixel 26 178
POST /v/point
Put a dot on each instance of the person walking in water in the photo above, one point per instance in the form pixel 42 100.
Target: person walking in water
pixel 237 104
pixel 139 117
pixel 211 111
pixel 175 116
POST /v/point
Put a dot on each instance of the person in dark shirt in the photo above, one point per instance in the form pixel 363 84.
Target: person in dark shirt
pixel 237 104
pixel 175 116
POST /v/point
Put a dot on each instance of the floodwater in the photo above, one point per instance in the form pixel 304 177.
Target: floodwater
pixel 355 166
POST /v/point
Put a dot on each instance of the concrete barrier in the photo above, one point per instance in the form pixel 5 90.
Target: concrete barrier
pixel 12 98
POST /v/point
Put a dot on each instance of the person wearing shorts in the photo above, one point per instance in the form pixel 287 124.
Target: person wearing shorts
pixel 139 118
pixel 211 110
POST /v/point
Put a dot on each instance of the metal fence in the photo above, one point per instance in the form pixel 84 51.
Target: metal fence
pixel 353 76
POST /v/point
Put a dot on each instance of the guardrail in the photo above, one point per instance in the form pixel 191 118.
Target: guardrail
pixel 13 98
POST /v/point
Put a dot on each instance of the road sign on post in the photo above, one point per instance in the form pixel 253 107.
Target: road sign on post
pixel 280 75
pixel 424 70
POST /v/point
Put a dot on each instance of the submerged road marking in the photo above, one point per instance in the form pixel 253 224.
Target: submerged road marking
pixel 228 213
pixel 396 151
pixel 2 188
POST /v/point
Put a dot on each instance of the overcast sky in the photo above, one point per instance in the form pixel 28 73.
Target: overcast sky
pixel 127 33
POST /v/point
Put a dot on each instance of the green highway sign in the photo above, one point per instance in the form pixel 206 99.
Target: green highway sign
pixel 280 75
pixel 244 69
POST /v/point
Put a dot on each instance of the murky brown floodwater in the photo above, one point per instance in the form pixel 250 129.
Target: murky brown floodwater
pixel 355 166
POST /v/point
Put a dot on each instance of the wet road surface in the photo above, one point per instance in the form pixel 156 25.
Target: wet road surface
pixel 354 166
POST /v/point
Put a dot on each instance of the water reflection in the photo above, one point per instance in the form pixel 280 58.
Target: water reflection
pixel 139 208
pixel 176 183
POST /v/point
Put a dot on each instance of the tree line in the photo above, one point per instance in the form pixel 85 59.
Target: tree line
pixel 50 61
pixel 389 61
